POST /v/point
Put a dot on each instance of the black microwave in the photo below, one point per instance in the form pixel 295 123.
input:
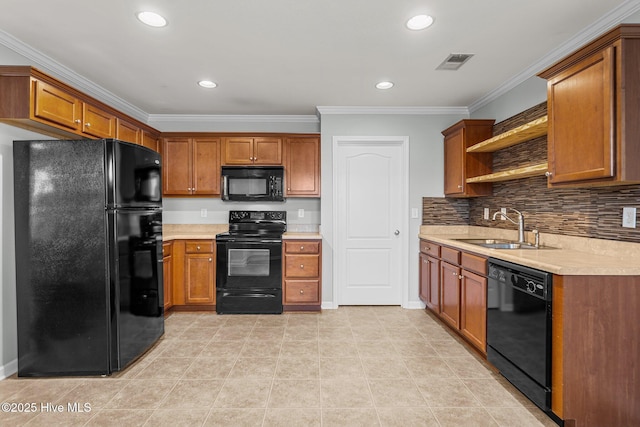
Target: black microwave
pixel 252 183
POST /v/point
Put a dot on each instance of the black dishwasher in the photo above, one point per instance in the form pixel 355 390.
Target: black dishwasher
pixel 519 329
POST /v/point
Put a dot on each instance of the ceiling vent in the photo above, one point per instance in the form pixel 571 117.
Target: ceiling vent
pixel 454 61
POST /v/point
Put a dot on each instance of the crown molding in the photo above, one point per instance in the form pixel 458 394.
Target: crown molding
pixel 426 111
pixel 209 118
pixel 53 67
pixel 605 23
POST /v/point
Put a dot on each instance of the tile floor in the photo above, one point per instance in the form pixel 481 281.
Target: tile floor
pixel 355 366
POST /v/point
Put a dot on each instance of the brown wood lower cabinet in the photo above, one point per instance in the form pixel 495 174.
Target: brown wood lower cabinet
pixel 453 284
pixel 301 266
pixel 194 274
pixel 167 274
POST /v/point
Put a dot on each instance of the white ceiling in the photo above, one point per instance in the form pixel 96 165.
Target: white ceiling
pixel 285 57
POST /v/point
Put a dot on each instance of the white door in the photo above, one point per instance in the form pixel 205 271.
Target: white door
pixel 370 187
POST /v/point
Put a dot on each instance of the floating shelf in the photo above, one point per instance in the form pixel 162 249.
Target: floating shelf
pixel 515 136
pixel 524 172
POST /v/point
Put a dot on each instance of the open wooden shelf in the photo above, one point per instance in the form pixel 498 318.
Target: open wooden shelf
pixel 524 172
pixel 515 136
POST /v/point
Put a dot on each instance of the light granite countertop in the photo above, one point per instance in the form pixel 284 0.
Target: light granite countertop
pixel 567 255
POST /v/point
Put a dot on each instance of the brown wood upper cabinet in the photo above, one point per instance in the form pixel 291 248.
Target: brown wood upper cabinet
pixel 191 166
pixel 460 165
pixel 252 151
pixel 593 131
pixel 302 165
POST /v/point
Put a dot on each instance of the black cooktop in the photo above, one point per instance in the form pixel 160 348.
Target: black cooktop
pixel 255 225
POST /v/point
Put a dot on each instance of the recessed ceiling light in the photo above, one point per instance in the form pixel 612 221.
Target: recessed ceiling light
pixel 208 84
pixel 152 19
pixel 419 22
pixel 384 85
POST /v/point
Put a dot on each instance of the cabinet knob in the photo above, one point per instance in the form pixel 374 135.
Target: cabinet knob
pixel 548 174
pixel 302 248
pixel 301 292
pixel 455 274
pixel 209 259
pixel 198 247
pixel 460 277
pixel 76 121
pixel 301 265
pixel 288 189
pixel 460 187
pixel 88 124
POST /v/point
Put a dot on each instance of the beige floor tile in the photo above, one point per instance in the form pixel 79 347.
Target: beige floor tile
pixel 356 417
pixel 461 417
pixel 466 367
pixel 405 417
pixel 45 390
pixel 521 417
pixel 120 417
pixel 177 348
pixel 301 333
pixel 335 334
pixel 261 348
pixel 369 333
pixel 242 320
pixel 345 393
pixel 232 332
pixel 198 333
pixel 303 320
pixel 299 349
pixel 295 394
pixel 177 418
pixel 194 394
pixel 491 393
pixel 96 392
pixel 446 392
pixel 233 417
pixel 267 334
pixel 11 386
pixel 404 334
pixel 450 348
pixel 298 368
pixel 243 393
pixel 414 348
pixel 428 367
pixel 166 368
pixel 63 419
pixel 338 349
pixel 385 368
pixel 395 393
pixel 341 368
pixel 141 394
pixel 210 319
pixel 222 349
pixel 209 368
pixel 376 349
pixel 270 321
pixel 292 417
pixel 254 368
pixel 17 418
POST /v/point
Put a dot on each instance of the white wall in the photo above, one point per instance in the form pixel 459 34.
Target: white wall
pixel 8 324
pixel 531 92
pixel 425 177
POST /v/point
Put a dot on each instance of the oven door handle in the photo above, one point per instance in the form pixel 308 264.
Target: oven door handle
pixel 247 294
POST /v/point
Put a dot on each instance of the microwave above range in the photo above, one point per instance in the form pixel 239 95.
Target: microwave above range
pixel 252 183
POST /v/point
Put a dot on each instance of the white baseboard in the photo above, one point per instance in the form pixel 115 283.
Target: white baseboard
pixel 9 369
pixel 415 305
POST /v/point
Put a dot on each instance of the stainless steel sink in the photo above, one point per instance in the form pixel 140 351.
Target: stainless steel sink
pixel 501 244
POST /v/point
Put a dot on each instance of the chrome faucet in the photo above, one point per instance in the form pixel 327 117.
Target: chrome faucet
pixel 519 223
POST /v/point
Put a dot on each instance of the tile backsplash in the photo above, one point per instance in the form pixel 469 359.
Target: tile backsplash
pixel 584 212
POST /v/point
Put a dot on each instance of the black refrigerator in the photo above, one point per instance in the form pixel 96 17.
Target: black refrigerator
pixel 88 224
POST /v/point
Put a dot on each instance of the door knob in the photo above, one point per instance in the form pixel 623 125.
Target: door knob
pixel 397 232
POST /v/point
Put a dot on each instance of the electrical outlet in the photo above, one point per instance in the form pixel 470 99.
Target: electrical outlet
pixel 300 213
pixel 203 213
pixel 504 212
pixel 629 217
pixel 486 213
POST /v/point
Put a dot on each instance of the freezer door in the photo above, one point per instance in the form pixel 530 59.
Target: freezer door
pixel 133 175
pixel 137 317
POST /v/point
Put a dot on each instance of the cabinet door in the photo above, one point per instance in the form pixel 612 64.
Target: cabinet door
pixel 176 166
pixel 582 131
pixel 267 151
pixel 473 309
pixel 237 151
pixel 126 131
pixel 150 141
pixel 98 123
pixel 450 294
pixel 302 166
pixel 56 106
pixel 199 275
pixel 454 152
pixel 206 166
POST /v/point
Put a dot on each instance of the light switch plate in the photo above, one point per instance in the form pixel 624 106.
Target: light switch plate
pixel 504 212
pixel 300 213
pixel 629 217
pixel 415 213
pixel 486 213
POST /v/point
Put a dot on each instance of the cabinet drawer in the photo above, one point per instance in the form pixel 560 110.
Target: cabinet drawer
pixel 474 263
pixel 450 255
pixel 199 246
pixel 301 247
pixel 301 291
pixel 430 248
pixel 166 249
pixel 301 266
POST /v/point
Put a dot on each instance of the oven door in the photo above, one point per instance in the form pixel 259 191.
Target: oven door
pixel 243 265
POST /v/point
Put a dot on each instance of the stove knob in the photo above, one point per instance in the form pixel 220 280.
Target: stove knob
pixel 531 286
